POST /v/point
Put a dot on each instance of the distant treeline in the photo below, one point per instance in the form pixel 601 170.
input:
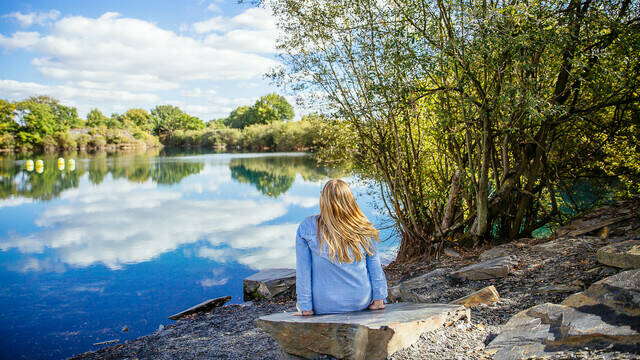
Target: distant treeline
pixel 42 123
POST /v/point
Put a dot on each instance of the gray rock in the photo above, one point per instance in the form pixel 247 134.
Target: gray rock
pixel 403 291
pixel 269 283
pixel 496 252
pixel 203 306
pixel 620 292
pixel 490 269
pixel 625 255
pixel 359 335
pixel 451 253
pixel 546 328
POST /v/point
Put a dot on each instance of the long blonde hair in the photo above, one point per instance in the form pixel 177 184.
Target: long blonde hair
pixel 342 225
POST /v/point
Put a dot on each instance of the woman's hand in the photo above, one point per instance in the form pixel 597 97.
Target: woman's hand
pixel 304 313
pixel 377 305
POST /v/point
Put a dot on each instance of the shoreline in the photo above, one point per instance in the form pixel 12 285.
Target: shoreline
pixel 547 271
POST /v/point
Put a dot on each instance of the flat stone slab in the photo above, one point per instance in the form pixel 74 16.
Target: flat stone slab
pixel 203 306
pixel 490 269
pixel 359 335
pixel 625 255
pixel 268 283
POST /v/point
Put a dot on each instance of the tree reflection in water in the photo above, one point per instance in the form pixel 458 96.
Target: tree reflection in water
pixel 273 176
pixel 137 167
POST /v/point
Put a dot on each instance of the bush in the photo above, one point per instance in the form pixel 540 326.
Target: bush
pixel 65 140
pixel 48 143
pixel 83 140
pixel 7 142
pixel 112 136
pixel 98 142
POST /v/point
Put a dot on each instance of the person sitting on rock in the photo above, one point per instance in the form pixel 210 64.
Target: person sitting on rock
pixel 337 263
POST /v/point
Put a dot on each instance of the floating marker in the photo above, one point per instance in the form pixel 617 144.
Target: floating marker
pixel 39 166
pixel 72 164
pixel 29 165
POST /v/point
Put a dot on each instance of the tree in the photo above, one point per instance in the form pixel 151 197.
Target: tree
pixel 65 116
pixel 269 108
pixel 95 118
pixel 471 116
pixel 139 117
pixel 165 119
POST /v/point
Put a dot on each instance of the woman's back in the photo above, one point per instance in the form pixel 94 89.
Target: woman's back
pixel 328 286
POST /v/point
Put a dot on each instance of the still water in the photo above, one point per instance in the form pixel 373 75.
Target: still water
pixel 108 241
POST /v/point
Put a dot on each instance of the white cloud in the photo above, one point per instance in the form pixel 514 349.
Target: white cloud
pixel 40 18
pixel 259 247
pixel 197 93
pixel 19 39
pixel 113 59
pixel 14 201
pixel 117 224
pixel 213 7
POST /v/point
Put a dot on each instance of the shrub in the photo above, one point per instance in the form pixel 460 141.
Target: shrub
pixel 98 142
pixel 48 143
pixel 65 140
pixel 83 140
pixel 7 141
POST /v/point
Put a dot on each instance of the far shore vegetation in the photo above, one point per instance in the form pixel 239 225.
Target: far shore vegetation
pixel 43 124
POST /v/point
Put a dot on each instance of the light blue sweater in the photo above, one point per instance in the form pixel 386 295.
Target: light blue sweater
pixel 327 287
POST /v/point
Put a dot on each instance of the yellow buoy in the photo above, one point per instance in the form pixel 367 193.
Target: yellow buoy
pixel 29 165
pixel 39 166
pixel 72 164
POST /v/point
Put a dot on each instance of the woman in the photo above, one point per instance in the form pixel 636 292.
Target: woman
pixel 337 265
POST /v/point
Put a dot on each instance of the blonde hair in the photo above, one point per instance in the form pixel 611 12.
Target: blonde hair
pixel 342 225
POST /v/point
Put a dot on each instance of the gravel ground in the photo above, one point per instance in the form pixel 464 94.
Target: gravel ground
pixel 225 333
pixel 547 271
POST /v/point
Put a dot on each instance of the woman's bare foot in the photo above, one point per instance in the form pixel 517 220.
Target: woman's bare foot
pixel 377 305
pixel 304 313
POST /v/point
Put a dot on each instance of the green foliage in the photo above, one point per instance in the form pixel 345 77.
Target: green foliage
pixel 7 141
pixel 65 141
pixel 140 118
pixel 95 118
pixel 473 117
pixel 98 142
pixel 269 108
pixel 166 119
pixel 83 140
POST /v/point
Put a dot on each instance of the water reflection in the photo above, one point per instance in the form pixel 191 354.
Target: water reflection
pixel 131 238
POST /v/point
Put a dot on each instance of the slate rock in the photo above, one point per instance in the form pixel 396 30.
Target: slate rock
pixel 546 328
pixel 203 306
pixel 625 255
pixel 490 269
pixel 268 283
pixel 488 295
pixel 358 335
pixel 403 291
pixel 496 252
pixel 620 292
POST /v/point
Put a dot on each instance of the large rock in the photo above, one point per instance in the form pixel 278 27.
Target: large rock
pixel 269 283
pixel 490 269
pixel 359 335
pixel 497 252
pixel 620 292
pixel 625 255
pixel 546 328
pixel 403 291
pixel 487 295
pixel 202 307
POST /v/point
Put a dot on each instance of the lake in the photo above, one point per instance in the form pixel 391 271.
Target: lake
pixel 92 245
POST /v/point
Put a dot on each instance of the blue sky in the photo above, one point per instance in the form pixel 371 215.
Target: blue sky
pixel 208 57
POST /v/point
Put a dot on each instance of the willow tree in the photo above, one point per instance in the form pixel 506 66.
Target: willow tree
pixel 471 114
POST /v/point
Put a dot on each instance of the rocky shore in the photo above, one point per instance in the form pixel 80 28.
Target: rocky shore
pixel 589 257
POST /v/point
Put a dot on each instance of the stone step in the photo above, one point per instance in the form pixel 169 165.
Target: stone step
pixel 359 335
pixel 268 283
